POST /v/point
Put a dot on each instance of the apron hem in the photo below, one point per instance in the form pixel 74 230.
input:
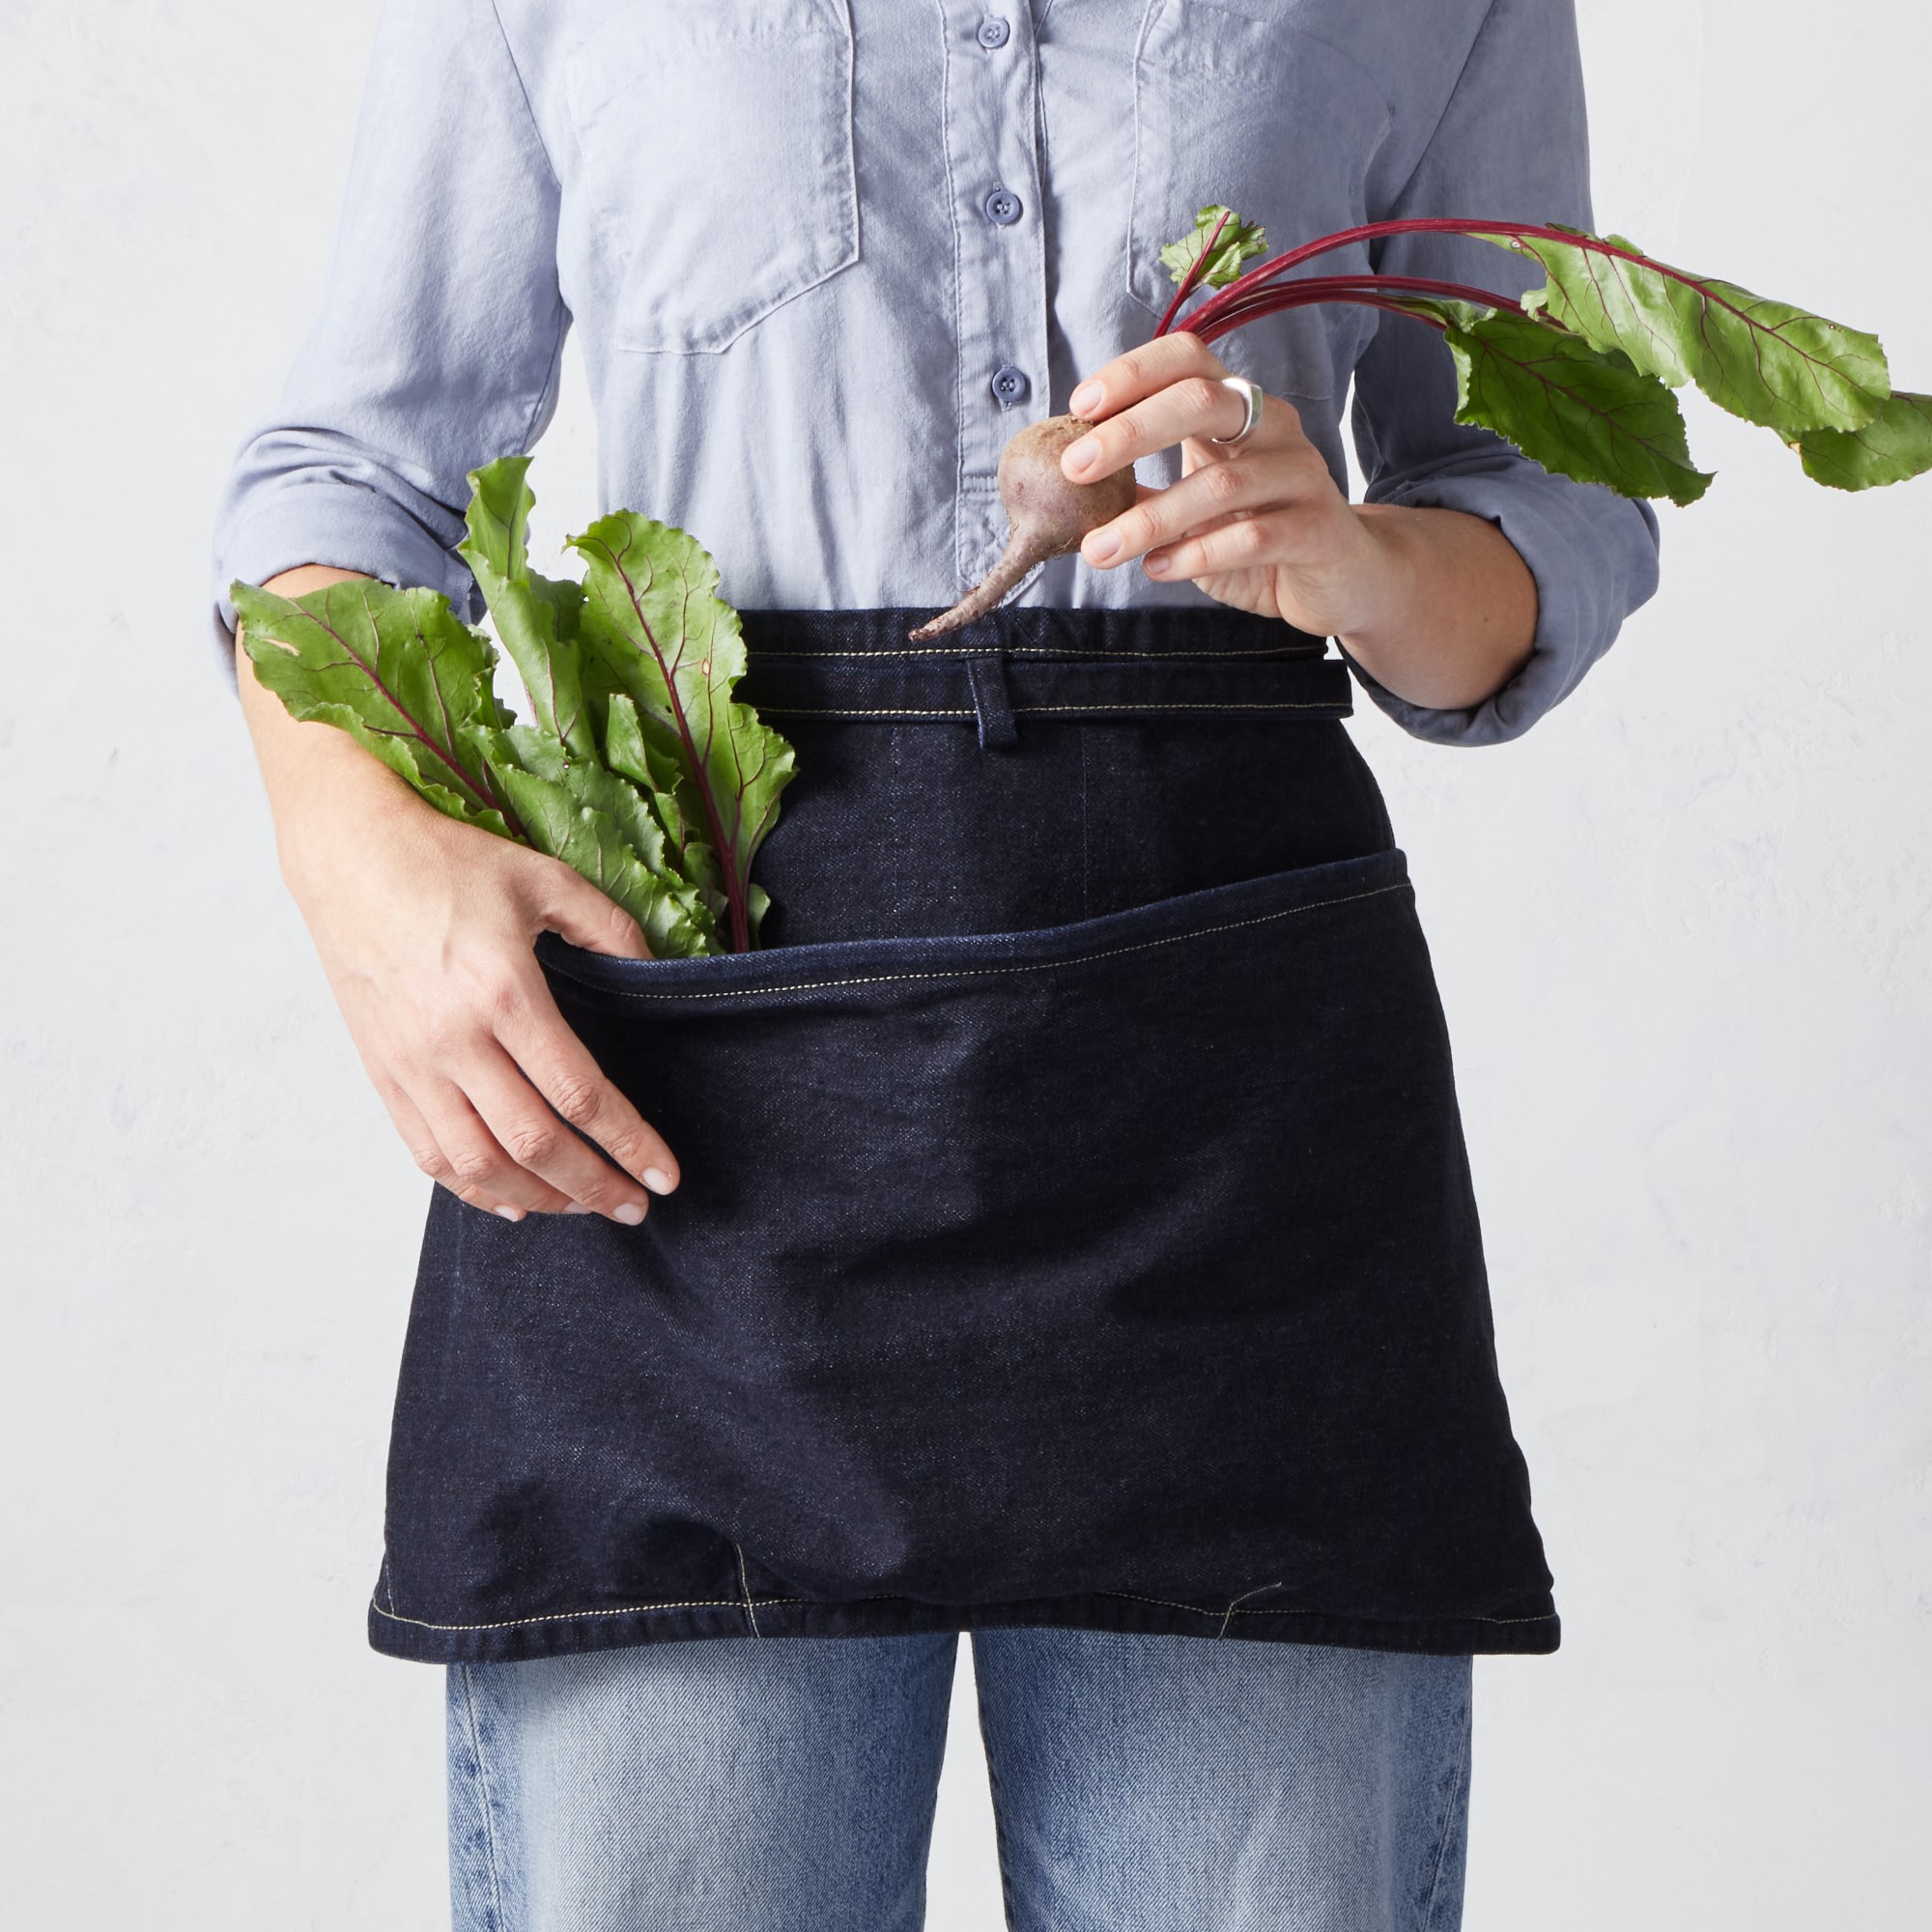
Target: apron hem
pixel 567 1633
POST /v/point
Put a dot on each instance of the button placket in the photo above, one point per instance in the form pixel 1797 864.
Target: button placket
pixel 993 166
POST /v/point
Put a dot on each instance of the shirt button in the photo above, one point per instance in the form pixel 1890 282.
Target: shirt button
pixel 1011 384
pixel 994 32
pixel 1003 206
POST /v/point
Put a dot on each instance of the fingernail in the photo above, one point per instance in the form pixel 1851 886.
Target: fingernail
pixel 1102 548
pixel 578 1208
pixel 509 1214
pixel 630 1213
pixel 1156 566
pixel 1084 398
pixel 1080 454
pixel 656 1179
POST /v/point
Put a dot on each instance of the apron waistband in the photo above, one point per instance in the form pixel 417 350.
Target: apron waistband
pixel 1051 665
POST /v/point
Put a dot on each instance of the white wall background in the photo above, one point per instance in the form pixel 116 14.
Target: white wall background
pixel 1684 930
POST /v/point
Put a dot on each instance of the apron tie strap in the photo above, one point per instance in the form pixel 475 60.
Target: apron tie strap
pixel 1039 664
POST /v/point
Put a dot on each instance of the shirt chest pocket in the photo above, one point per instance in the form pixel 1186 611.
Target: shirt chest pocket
pixel 716 139
pixel 1272 121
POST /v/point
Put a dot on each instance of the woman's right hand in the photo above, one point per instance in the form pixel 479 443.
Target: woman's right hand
pixel 425 928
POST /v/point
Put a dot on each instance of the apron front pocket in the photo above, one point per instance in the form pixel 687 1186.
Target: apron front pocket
pixel 716 154
pixel 1127 1255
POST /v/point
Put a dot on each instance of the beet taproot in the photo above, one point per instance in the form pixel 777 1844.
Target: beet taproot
pixel 1049 515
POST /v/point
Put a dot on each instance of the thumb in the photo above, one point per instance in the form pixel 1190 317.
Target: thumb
pixel 574 909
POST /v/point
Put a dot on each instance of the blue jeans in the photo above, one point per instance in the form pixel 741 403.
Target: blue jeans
pixel 1140 1782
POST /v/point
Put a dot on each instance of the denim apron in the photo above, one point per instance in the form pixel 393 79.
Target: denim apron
pixel 1075 1224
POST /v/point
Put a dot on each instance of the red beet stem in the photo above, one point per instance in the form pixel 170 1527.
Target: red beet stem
pixel 1234 294
pixel 1391 304
pixel 1193 276
pixel 1367 291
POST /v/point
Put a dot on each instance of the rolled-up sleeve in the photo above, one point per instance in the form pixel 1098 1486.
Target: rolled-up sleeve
pixel 441 330
pixel 1512 145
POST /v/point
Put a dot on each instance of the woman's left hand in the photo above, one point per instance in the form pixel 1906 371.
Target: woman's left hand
pixel 1261 525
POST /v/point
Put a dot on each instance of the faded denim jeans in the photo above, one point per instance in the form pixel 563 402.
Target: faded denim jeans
pixel 1141 1783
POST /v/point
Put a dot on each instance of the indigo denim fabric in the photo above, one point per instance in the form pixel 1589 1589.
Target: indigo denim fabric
pixel 1075 1226
pixel 1138 1781
pixel 824 257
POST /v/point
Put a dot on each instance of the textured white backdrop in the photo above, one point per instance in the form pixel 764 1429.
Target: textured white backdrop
pixel 1682 930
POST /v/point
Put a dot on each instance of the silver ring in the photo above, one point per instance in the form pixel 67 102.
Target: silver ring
pixel 1251 394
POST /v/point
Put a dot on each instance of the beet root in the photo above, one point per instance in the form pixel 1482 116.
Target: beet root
pixel 1048 514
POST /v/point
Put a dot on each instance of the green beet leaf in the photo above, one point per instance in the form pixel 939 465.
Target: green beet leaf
pixel 536 617
pixel 1237 243
pixel 1239 239
pixel 563 825
pixel 673 911
pixel 646 757
pixel 639 770
pixel 400 672
pixel 570 690
pixel 1895 445
pixel 646 751
pixel 1767 361
pixel 1583 412
pixel 534 750
pixel 653 618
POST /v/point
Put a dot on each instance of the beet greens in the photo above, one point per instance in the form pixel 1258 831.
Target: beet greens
pixel 641 768
pixel 1577 374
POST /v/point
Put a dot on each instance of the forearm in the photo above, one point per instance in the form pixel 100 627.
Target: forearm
pixel 1457 611
pixel 313 773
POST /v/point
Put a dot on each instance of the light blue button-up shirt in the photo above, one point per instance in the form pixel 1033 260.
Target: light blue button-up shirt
pixel 825 256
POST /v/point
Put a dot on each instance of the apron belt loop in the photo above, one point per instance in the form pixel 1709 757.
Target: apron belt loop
pixel 992 703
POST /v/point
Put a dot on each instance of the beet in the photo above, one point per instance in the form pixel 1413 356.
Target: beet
pixel 1049 515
